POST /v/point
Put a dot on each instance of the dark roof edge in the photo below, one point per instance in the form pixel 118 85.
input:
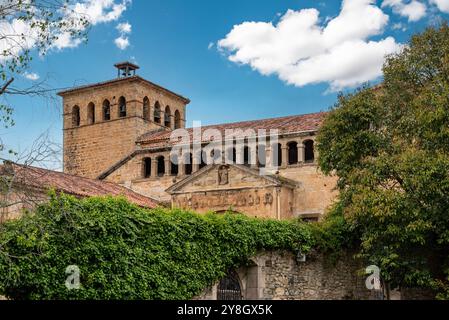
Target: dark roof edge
pixel 98 84
pixel 118 164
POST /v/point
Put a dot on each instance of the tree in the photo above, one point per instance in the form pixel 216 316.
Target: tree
pixel 30 27
pixel 33 24
pixel 389 146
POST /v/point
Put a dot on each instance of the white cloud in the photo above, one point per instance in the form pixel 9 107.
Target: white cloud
pixel 122 42
pixel 399 26
pixel 65 40
pixel 31 76
pixel 100 11
pixel 300 50
pixel 17 35
pixel 95 12
pixel 210 45
pixel 443 5
pixel 413 10
pixel 124 28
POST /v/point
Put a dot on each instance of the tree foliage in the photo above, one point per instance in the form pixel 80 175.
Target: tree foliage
pixel 389 146
pixel 126 252
pixel 27 26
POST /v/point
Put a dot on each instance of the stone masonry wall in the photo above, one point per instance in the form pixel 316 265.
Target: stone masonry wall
pixel 315 191
pixel 315 279
pixel 277 275
pixel 90 149
pixel 313 194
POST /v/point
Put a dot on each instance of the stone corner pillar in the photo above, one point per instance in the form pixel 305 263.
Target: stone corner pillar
pixel 284 156
pixel 301 154
pixel 253 156
pixel 268 157
pixel 167 166
pixel 154 167
pixel 181 166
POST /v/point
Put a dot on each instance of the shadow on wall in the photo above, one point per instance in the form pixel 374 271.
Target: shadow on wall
pixel 279 275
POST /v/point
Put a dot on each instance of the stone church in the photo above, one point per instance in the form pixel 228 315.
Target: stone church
pixel 128 137
pixel 121 130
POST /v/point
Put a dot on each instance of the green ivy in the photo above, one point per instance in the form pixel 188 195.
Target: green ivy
pixel 127 252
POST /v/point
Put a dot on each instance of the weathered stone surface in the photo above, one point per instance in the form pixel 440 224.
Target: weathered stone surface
pixel 90 149
pixel 219 188
pixel 277 275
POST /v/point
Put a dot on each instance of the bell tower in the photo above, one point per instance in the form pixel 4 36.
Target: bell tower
pixel 102 121
pixel 126 69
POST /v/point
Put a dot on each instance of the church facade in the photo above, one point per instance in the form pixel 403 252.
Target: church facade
pixel 132 132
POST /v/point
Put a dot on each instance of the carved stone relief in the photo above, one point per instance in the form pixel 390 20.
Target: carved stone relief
pixel 223 175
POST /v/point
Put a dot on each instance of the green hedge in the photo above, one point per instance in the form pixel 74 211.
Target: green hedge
pixel 126 252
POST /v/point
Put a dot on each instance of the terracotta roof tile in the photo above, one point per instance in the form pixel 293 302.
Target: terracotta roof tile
pixel 285 125
pixel 70 184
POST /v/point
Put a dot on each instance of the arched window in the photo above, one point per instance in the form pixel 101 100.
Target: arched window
pixel 277 154
pixel 91 113
pixel 106 110
pixel 246 155
pixel 167 116
pixel 76 116
pixel 146 108
pixel 122 107
pixel 262 155
pixel 188 160
pixel 174 165
pixel 177 119
pixel 157 112
pixel 229 288
pixel 160 166
pixel 147 167
pixel 309 154
pixel 292 152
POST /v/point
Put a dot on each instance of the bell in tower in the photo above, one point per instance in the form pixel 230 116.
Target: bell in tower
pixel 126 69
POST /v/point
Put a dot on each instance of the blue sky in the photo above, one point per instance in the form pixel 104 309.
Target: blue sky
pixel 177 45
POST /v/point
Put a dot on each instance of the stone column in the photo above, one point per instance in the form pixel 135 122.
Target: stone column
pixel 300 152
pixel 315 152
pixel 227 153
pixel 150 116
pixel 196 159
pixel 167 165
pixel 195 167
pixel 268 157
pixel 284 156
pixel 154 168
pixel 172 120
pixel 253 156
pixel 98 111
pixel 181 166
pixel 239 150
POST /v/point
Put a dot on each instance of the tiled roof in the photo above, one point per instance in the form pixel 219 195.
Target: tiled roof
pixel 78 186
pixel 285 125
pixel 108 82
